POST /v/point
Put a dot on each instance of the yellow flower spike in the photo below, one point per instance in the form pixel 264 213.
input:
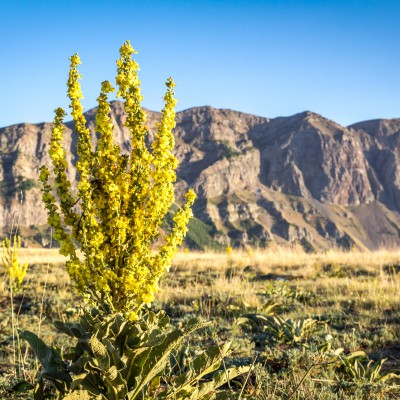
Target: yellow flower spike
pixel 87 225
pixel 58 157
pixel 139 166
pixel 165 163
pixel 14 270
pixel 75 60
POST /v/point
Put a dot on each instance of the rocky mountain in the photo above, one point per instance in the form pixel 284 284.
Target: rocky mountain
pixel 299 179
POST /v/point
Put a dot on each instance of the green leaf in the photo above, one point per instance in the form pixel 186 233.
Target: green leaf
pixel 60 379
pixel 38 394
pixel 116 326
pixel 134 359
pixel 53 367
pixel 155 384
pixel 81 395
pixel 194 325
pixel 78 366
pixel 78 379
pixel 388 376
pixel 116 385
pixel 155 360
pixel 47 358
pixel 91 382
pixel 113 352
pixel 100 353
pixel 22 387
pixel 207 362
pixel 219 379
pixel 357 354
pixel 74 330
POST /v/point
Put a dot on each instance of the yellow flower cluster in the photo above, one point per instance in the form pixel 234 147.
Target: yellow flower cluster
pixel 13 269
pixel 114 218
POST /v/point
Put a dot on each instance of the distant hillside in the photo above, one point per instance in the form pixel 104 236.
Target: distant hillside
pixel 299 179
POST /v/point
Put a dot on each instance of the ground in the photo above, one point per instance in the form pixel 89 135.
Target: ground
pixel 302 320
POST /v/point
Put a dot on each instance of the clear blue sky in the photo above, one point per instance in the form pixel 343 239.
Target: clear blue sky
pixel 270 58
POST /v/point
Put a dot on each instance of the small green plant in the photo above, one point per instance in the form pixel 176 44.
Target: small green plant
pixel 283 290
pixel 276 329
pixel 255 319
pixel 291 331
pixel 357 367
pixel 227 151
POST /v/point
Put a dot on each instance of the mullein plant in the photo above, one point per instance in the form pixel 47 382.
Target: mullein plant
pixel 108 228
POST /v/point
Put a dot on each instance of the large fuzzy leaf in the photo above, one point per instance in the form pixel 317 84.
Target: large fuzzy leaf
pixel 78 395
pixel 206 363
pixel 219 379
pixel 53 367
pixel 22 387
pixel 82 395
pixel 48 357
pixel 100 353
pixel 74 329
pixel 158 356
pixel 116 385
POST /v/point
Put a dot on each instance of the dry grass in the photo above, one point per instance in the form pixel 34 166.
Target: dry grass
pixel 355 293
pixel 290 258
pixel 275 257
pixel 197 274
pixel 358 277
pixel 41 256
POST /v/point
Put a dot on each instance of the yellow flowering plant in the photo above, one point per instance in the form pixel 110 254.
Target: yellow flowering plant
pixel 108 228
pixel 114 216
pixel 14 270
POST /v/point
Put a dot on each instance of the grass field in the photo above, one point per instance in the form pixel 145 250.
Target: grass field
pixel 288 312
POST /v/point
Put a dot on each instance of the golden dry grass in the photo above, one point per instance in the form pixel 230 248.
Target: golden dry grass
pixel 294 261
pixel 276 257
pixel 197 275
pixel 355 292
pixel 40 256
pixel 188 276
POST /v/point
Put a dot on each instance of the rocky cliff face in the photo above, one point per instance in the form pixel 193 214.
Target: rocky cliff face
pixel 311 157
pixel 382 150
pixel 301 179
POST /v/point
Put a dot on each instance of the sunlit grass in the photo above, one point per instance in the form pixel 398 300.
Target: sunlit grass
pixel 355 293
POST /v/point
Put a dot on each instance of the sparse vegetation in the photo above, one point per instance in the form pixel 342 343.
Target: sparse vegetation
pixel 347 324
pixel 9 189
pixel 227 151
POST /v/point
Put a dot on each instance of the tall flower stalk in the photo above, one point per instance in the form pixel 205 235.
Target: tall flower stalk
pixel 14 270
pixel 113 218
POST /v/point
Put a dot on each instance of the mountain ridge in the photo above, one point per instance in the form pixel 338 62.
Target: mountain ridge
pixel 302 178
